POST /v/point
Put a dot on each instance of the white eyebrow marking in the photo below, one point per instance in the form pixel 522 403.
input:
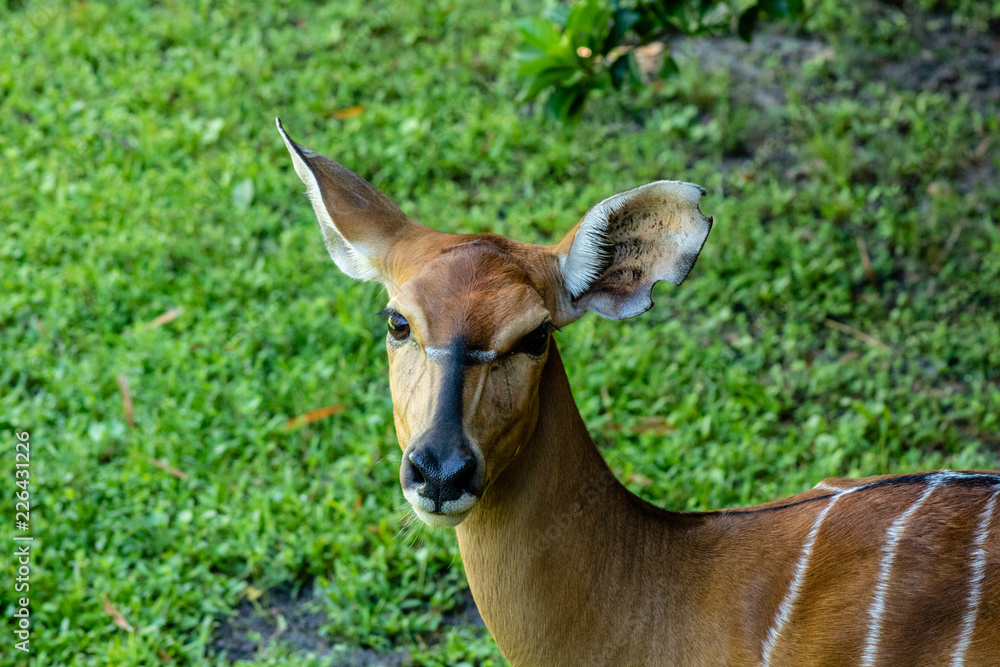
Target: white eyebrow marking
pixel 975 583
pixel 895 532
pixel 798 576
pixel 439 353
pixel 482 356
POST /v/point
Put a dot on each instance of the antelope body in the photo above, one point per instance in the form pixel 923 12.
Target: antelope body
pixel 568 567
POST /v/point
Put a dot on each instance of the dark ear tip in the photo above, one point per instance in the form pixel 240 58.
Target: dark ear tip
pixel 281 131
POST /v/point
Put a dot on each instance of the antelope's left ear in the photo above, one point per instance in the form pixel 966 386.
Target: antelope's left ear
pixel 626 244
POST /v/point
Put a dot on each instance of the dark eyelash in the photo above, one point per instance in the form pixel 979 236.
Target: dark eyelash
pixel 387 312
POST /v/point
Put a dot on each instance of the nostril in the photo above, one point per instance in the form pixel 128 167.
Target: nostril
pixel 421 468
pixel 418 477
pixel 465 474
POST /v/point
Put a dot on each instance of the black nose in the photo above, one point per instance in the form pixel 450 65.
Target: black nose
pixel 440 478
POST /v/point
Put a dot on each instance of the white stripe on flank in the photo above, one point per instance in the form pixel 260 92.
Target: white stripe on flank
pixel 798 576
pixel 894 533
pixel 877 611
pixel 975 583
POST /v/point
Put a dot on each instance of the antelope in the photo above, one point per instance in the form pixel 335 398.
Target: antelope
pixel 566 565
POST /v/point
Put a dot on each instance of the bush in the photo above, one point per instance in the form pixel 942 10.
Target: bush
pixel 575 49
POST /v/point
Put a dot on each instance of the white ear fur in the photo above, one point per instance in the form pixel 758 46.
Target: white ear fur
pixel 352 259
pixel 629 242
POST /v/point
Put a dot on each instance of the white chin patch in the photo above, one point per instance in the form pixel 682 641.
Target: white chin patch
pixel 439 520
pixel 452 513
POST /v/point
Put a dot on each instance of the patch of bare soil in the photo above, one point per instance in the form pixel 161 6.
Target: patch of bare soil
pixel 759 70
pixel 943 57
pixel 947 58
pixel 281 617
pixel 952 61
pixel 760 74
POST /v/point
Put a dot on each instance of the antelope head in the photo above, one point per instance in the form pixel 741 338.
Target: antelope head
pixel 470 317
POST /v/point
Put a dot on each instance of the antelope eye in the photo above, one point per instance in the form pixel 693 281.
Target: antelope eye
pixel 399 328
pixel 536 342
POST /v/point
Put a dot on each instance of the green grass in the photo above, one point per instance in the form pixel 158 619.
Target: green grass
pixel 142 173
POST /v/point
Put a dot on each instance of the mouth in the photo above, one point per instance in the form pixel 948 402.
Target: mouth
pixel 449 513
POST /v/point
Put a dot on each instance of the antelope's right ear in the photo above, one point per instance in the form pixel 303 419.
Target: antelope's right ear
pixel 359 223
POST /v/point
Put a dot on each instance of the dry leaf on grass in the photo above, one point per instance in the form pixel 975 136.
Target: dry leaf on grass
pixel 866 261
pixel 350 112
pixel 854 333
pixel 163 465
pixel 168 316
pixel 116 616
pixel 653 424
pixel 127 406
pixel 313 416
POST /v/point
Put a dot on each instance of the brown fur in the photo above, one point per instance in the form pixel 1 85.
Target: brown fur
pixel 621 583
pixel 568 567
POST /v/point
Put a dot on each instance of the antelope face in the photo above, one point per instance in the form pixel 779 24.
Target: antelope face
pixel 470 317
pixel 468 337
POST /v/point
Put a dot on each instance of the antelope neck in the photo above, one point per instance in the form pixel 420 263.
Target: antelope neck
pixel 529 546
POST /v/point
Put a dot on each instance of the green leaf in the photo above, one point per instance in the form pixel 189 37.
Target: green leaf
pixel 782 9
pixel 622 22
pixel 558 14
pixel 539 32
pixel 670 12
pixel 560 77
pixel 566 103
pixel 576 106
pixel 625 67
pixel 748 22
pixel 618 71
pixel 540 64
pixel 587 23
pixel 774 8
pixel 526 52
pixel 669 67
